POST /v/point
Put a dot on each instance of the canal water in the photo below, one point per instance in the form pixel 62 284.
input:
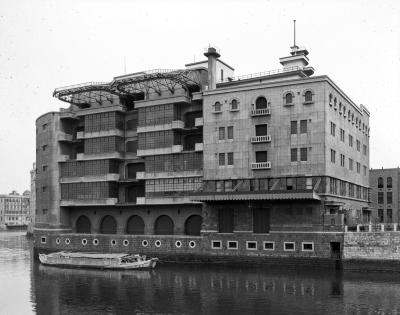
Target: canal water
pixel 26 287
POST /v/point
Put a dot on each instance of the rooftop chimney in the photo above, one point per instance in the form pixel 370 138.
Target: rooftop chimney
pixel 212 53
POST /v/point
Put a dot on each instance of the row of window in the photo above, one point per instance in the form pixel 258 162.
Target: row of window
pixel 350 163
pixel 342 188
pixel 104 121
pixel 388 182
pixel 173 184
pixel 103 145
pixel 225 159
pixel 174 162
pixel 294 156
pixel 89 168
pixel 389 197
pixel 288 97
pixel 389 215
pixel 253 245
pixel 89 191
pixel 233 106
pixel 294 126
pixel 333 102
pixel 225 133
pixel 342 138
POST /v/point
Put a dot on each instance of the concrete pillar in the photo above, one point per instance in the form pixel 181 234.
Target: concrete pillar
pixel 395 227
pixel 346 228
pixel 358 227
pixel 370 227
pixel 382 227
pixel 212 56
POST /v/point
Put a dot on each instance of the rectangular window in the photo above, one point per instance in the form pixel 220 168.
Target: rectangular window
pixel 342 135
pixel 307 246
pixel 44 188
pixel 230 132
pixel 351 140
pixel 261 220
pixel 43 240
pixel 358 144
pixel 221 159
pixel 44 126
pixel 358 167
pixel 342 160
pixel 44 168
pixel 303 126
pixel 289 246
pixel 44 147
pixel 364 149
pixel 221 133
pixel 350 164
pixel 230 158
pixel 333 129
pixel 269 245
pixel 389 215
pixel 380 197
pixel 380 215
pixel 293 154
pixel 389 197
pixel 251 245
pixel 293 127
pixel 333 156
pixel 216 244
pixel 232 245
pixel 261 156
pixel 303 154
pixel 365 170
pixel 225 220
pixel 261 130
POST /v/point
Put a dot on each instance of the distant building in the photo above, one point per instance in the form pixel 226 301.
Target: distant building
pixel 32 209
pixel 385 194
pixel 238 162
pixel 15 209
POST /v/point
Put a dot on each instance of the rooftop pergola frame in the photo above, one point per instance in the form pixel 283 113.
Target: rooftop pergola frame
pixel 84 94
pixel 133 86
pixel 158 80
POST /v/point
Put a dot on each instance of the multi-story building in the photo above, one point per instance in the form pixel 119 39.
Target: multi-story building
pixel 253 163
pixel 385 194
pixel 32 202
pixel 14 209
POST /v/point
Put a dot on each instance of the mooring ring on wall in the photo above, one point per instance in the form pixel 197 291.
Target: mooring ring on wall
pixel 58 241
pixel 67 241
pixel 125 242
pixel 84 241
pixel 157 243
pixel 95 242
pixel 178 244
pixel 145 243
pixel 113 242
pixel 192 244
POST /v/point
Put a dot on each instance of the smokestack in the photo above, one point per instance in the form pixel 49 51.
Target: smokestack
pixel 212 54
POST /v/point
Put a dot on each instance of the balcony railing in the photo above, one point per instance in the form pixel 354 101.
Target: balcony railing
pixel 199 121
pixel 198 147
pixel 258 139
pixel 178 124
pixel 261 112
pixel 140 175
pixel 260 165
pixel 177 148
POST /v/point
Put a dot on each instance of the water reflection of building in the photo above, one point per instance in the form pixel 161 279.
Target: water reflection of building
pixel 203 163
pixel 15 209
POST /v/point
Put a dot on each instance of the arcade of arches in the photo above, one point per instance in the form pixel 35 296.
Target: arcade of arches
pixel 135 225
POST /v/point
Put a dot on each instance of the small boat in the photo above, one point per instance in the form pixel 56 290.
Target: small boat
pixel 98 260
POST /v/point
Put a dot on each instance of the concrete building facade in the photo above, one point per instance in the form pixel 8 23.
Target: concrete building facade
pixel 385 194
pixel 199 161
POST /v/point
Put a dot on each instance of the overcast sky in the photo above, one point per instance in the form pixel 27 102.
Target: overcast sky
pixel 48 44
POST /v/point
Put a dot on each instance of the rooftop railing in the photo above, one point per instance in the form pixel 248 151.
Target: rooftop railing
pixel 75 86
pixel 260 74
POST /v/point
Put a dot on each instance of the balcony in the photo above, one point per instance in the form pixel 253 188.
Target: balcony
pixel 99 156
pixel 259 139
pixel 177 148
pixel 140 200
pixel 97 134
pixel 199 121
pixel 177 124
pixel 261 166
pixel 88 202
pixel 140 175
pixel 65 137
pixel 66 113
pixel 80 135
pixel 260 112
pixel 198 147
pixel 63 158
pixel 90 178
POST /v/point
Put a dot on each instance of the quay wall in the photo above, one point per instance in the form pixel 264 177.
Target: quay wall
pixel 201 248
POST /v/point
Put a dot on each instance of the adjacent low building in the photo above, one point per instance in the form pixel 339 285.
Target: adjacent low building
pixel 196 162
pixel 385 194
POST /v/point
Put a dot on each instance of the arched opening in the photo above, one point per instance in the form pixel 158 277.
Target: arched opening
pixel 164 226
pixel 261 102
pixel 193 225
pixel 380 182
pixel 108 225
pixel 308 96
pixel 389 182
pixel 288 98
pixel 83 225
pixel 135 225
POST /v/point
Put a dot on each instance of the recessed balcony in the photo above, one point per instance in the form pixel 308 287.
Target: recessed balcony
pixel 198 147
pixel 261 112
pixel 64 137
pixel 178 124
pixel 140 175
pixel 199 121
pixel 261 166
pixel 63 158
pixel 177 148
pixel 259 139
